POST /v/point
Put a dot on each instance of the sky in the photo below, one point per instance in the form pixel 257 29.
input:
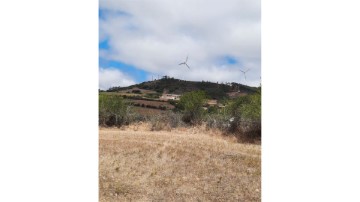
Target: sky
pixel 141 40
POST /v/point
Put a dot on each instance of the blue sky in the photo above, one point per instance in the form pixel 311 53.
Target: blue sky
pixel 138 74
pixel 141 39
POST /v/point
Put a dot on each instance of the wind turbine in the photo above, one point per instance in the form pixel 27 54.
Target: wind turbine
pixel 185 63
pixel 244 72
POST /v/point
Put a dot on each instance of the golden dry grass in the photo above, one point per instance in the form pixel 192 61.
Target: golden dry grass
pixel 181 165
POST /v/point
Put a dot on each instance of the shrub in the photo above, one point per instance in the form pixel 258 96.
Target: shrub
pixel 174 119
pixel 246 114
pixel 191 105
pixel 157 122
pixel 212 109
pixel 218 121
pixel 173 102
pixel 166 120
pixel 247 107
pixel 136 91
pixel 112 110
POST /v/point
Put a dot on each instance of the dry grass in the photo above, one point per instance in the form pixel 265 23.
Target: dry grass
pixel 182 165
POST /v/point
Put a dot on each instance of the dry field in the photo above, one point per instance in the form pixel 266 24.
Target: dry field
pixel 193 164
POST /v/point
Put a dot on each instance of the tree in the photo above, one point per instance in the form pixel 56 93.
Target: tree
pixel 246 113
pixel 191 104
pixel 112 110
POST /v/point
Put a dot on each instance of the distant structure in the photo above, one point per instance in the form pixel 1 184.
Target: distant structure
pixel 167 97
pixel 244 72
pixel 212 102
pixel 185 63
pixel 236 94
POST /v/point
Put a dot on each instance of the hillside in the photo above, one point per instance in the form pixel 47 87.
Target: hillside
pixel 177 86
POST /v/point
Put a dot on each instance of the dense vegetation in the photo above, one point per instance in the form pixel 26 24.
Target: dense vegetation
pixel 240 117
pixel 246 114
pixel 112 110
pixel 191 104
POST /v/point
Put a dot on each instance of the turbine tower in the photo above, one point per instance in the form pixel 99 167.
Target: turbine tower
pixel 244 72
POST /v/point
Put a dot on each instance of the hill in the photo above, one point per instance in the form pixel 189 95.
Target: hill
pixel 177 86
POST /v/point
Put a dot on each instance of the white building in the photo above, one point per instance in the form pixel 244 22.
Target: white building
pixel 170 97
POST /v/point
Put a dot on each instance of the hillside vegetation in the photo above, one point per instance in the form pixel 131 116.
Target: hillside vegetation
pixel 177 86
pixel 240 117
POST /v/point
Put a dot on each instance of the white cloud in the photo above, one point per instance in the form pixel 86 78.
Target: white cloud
pixel 157 35
pixel 111 77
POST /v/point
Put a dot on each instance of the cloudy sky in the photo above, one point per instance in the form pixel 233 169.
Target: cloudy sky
pixel 142 39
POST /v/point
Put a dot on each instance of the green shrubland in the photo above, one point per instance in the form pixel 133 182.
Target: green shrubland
pixel 240 117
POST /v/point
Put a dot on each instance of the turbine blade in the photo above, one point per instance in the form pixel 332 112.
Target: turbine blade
pixel 187 58
pixel 187 65
pixel 247 70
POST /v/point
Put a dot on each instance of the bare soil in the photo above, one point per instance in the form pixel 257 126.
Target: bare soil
pixel 186 164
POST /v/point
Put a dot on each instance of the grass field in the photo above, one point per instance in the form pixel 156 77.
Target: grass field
pixel 186 164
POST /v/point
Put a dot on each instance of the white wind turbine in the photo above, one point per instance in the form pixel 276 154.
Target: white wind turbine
pixel 185 63
pixel 244 72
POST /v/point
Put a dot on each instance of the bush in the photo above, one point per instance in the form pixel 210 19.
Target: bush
pixel 246 117
pixel 136 91
pixel 213 109
pixel 249 132
pixel 173 102
pixel 191 105
pixel 112 110
pixel 218 121
pixel 166 121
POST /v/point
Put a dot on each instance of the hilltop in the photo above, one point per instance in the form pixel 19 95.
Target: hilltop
pixel 178 86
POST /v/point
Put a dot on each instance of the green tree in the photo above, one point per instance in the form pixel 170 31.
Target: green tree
pixel 112 110
pixel 246 107
pixel 246 112
pixel 191 104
